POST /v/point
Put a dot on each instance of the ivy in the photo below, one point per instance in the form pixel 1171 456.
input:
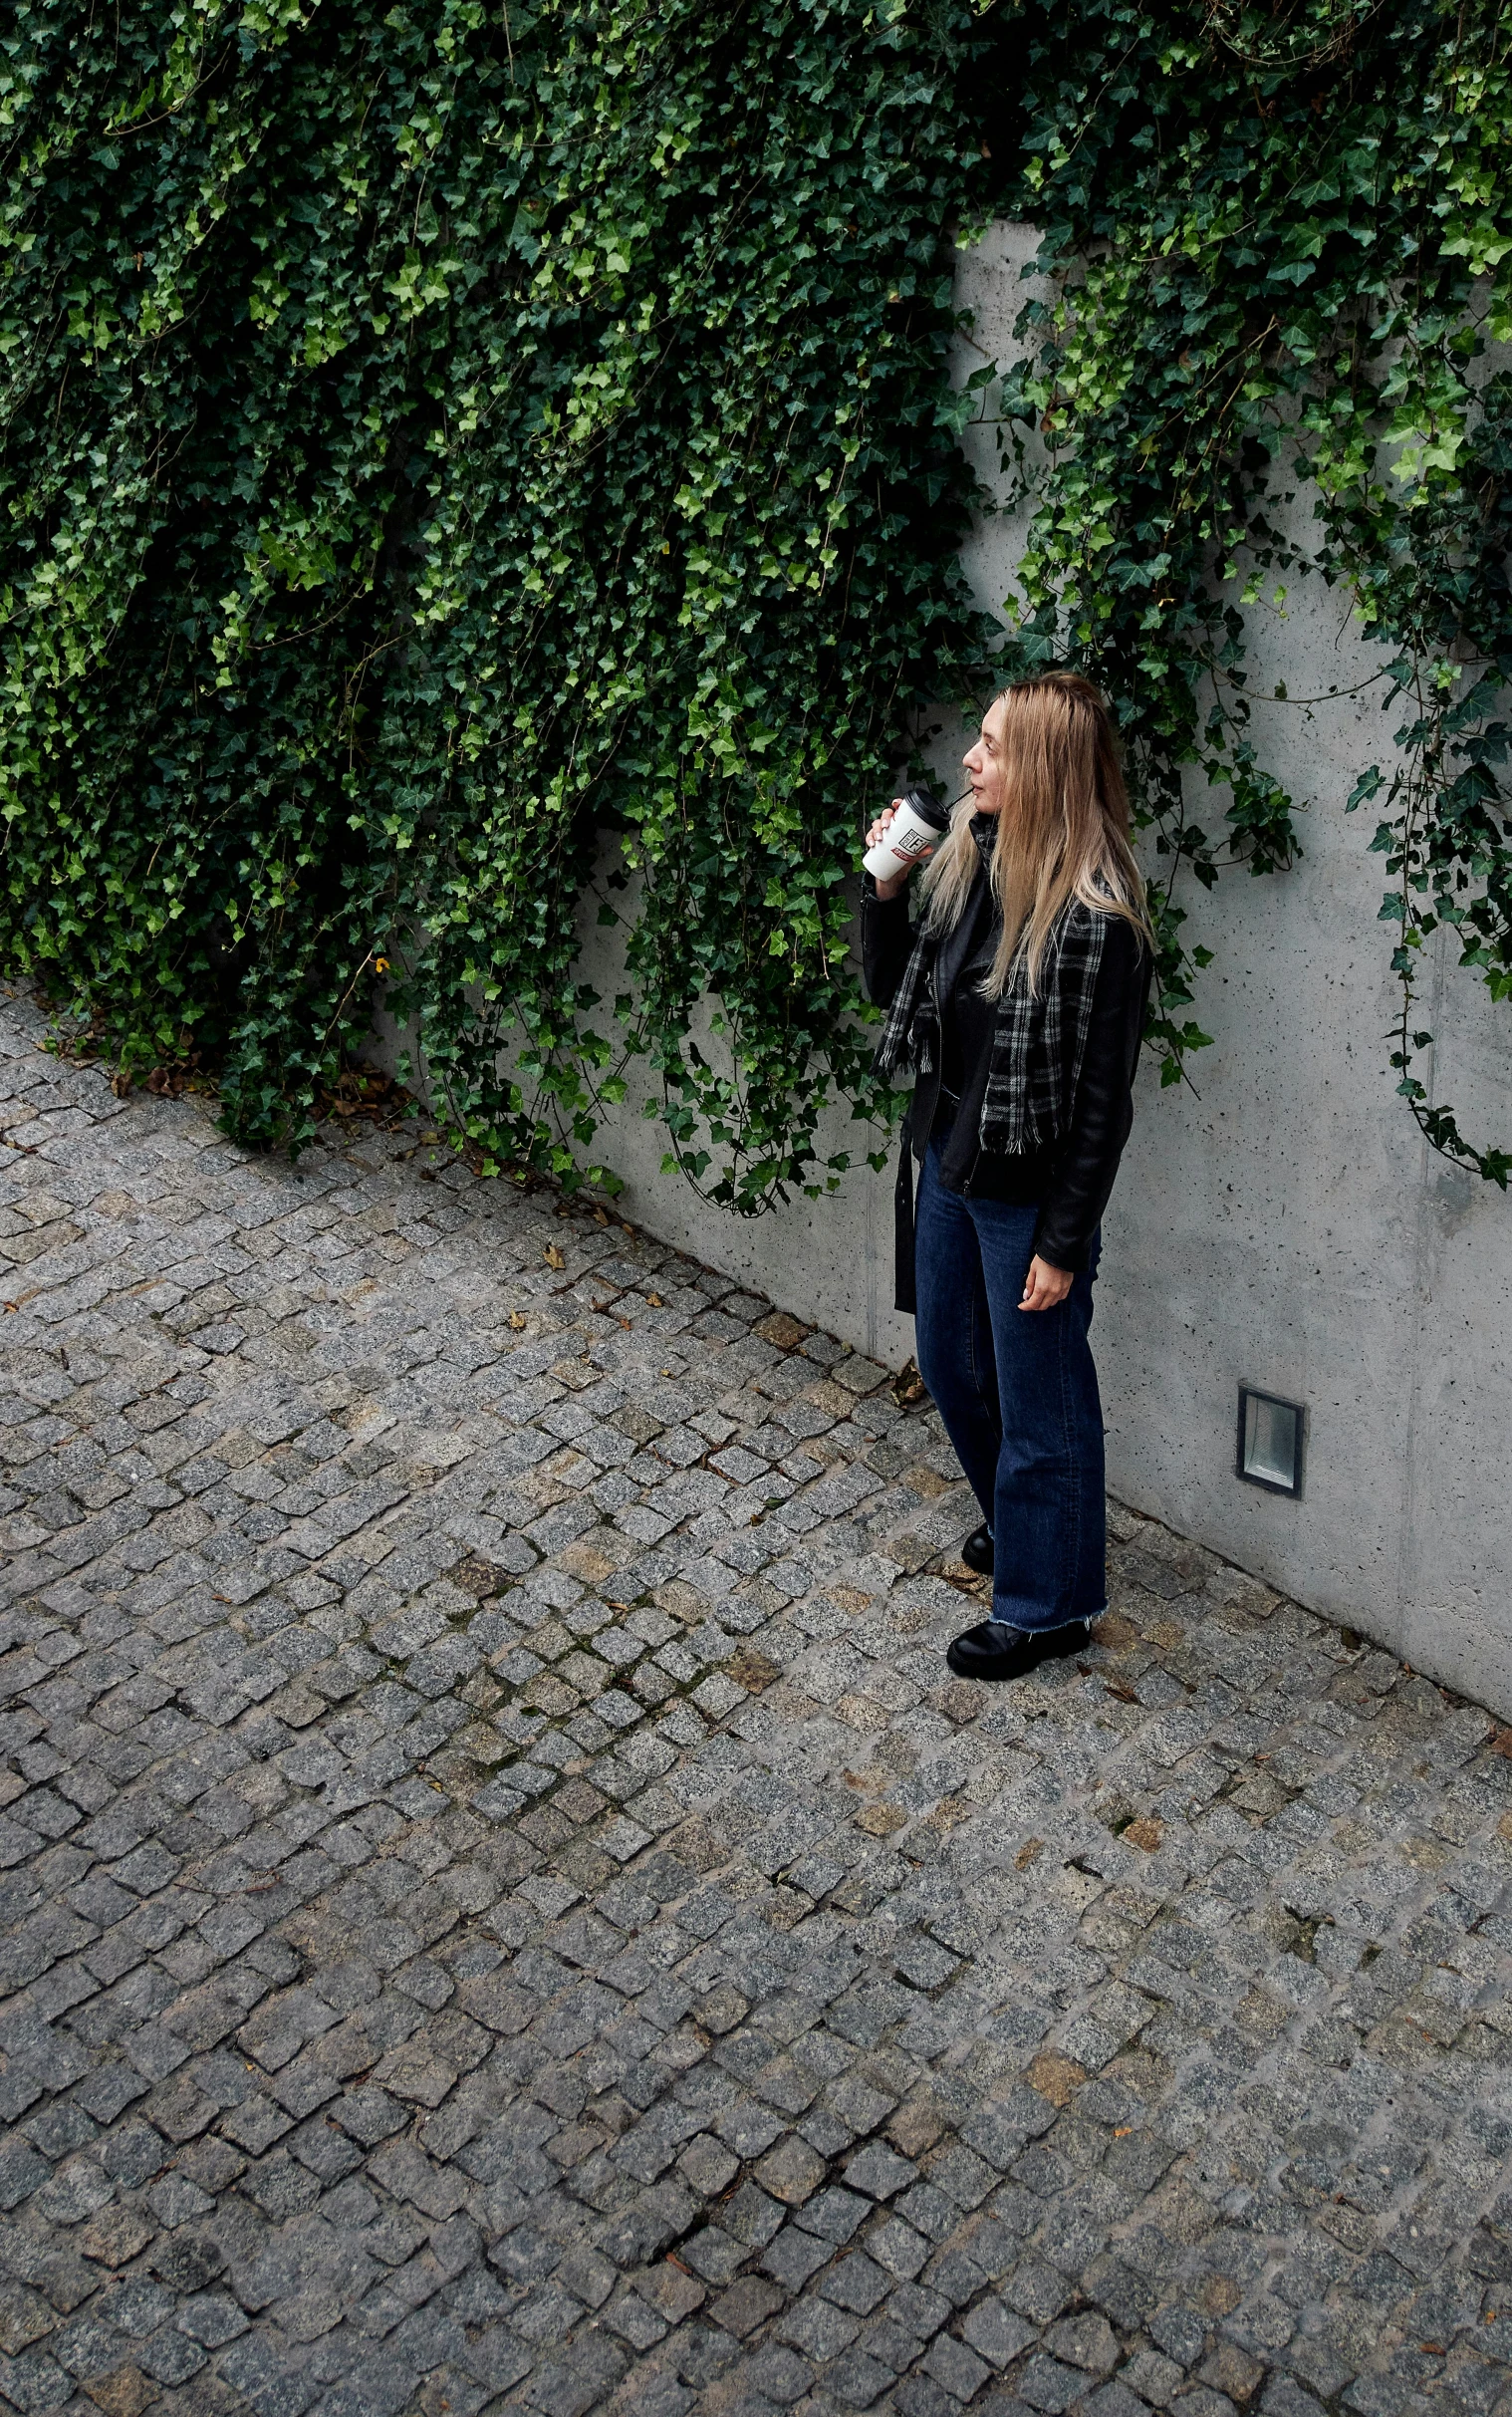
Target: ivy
pixel 437 433
pixel 440 434
pixel 1277 240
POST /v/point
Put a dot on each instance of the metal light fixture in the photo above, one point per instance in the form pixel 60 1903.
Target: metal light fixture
pixel 1270 1445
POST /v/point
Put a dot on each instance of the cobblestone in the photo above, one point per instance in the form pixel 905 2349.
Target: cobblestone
pixel 504 1907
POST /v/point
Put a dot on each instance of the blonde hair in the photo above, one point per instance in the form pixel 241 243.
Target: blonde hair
pixel 1062 833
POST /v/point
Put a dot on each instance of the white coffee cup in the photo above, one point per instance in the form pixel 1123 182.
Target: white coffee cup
pixel 916 830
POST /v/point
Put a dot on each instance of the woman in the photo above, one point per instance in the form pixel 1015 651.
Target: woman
pixel 1020 1003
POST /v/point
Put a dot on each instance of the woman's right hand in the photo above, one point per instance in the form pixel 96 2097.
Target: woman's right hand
pixel 899 881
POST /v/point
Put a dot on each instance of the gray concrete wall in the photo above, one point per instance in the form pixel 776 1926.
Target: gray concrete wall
pixel 1283 1226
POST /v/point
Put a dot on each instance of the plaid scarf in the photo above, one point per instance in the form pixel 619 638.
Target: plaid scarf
pixel 1039 1040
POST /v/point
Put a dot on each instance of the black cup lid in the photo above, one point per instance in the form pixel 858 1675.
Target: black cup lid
pixel 928 807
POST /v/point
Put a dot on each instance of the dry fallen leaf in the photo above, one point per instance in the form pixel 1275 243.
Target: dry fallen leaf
pixel 517 1321
pixel 655 1300
pixel 553 1257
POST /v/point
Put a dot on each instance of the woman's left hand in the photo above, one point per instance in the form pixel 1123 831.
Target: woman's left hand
pixel 1045 1285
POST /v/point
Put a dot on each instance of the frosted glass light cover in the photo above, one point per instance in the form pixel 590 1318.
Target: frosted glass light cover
pixel 1270 1442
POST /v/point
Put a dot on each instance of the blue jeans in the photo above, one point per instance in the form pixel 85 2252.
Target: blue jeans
pixel 1017 1393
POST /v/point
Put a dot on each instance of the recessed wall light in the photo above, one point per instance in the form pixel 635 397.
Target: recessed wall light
pixel 1271 1434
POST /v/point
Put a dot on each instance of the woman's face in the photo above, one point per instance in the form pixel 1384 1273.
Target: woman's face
pixel 985 761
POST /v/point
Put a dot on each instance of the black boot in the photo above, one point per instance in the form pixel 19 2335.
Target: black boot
pixel 976 1553
pixel 993 1651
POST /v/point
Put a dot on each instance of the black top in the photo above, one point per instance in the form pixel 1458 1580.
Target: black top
pixel 1072 1181
pixel 967 1017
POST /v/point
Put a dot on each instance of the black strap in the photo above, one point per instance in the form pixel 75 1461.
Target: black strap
pixel 906 1297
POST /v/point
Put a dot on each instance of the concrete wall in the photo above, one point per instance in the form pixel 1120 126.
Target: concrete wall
pixel 1283 1227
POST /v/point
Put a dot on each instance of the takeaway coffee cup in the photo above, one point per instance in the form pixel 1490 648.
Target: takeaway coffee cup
pixel 915 829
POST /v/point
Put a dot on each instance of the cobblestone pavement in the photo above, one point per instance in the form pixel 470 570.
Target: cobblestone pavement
pixel 505 1908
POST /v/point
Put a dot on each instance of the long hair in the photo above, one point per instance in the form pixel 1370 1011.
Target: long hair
pixel 1062 830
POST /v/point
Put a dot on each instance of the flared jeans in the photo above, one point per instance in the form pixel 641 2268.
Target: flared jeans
pixel 1017 1393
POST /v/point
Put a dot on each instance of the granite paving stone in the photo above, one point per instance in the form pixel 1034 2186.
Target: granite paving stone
pixel 505 1908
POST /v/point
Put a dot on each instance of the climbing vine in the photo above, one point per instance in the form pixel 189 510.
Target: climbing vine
pixel 1278 253
pixel 439 433
pixel 440 438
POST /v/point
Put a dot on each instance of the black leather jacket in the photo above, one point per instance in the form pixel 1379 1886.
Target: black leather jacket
pixel 1071 1182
